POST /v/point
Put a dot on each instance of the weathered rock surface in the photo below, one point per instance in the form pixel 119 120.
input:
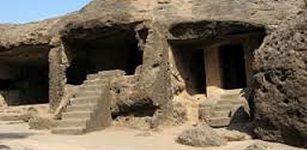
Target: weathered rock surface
pixel 281 85
pixel 260 11
pixel 203 136
pixel 232 135
pixel 258 146
pixel 42 123
pixel 280 64
pixel 2 101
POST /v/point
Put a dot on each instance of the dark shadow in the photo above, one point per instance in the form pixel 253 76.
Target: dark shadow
pixel 24 77
pixel 190 62
pixel 240 116
pixel 241 122
pixel 232 63
pixel 4 147
pixel 17 135
pixel 197 71
pixel 248 94
pixel 28 84
pixel 12 136
pixel 147 109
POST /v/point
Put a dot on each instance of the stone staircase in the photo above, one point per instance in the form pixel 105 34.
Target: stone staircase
pixel 10 115
pixel 90 109
pixel 18 113
pixel 221 111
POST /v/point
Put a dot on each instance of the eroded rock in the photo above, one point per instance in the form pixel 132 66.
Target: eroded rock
pixel 202 136
pixel 2 101
pixel 281 85
pixel 41 123
pixel 232 135
pixel 258 146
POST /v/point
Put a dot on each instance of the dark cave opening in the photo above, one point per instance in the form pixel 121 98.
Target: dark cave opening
pixel 232 62
pixel 191 66
pixel 27 84
pixel 197 69
pixel 143 109
pixel 91 55
pixel 228 54
pixel 24 75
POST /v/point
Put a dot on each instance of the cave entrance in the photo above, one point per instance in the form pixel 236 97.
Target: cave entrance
pixel 216 66
pixel 99 53
pixel 197 71
pixel 228 67
pixel 190 62
pixel 24 78
pixel 232 61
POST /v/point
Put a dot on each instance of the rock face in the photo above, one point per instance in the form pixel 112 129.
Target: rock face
pixel 146 30
pixel 202 136
pixel 281 85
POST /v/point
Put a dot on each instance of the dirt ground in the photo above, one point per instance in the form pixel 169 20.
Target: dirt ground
pixel 17 136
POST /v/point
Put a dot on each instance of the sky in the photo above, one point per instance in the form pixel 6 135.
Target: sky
pixel 23 11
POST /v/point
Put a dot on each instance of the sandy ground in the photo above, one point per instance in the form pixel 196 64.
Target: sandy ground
pixel 19 137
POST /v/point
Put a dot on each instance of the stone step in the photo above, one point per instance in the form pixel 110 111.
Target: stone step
pixel 10 116
pixel 85 100
pixel 81 122
pixel 92 76
pixel 223 107
pixel 69 131
pixel 83 114
pixel 88 93
pixel 109 73
pixel 219 121
pixel 93 81
pixel 89 90
pixel 81 107
pixel 91 87
pixel 230 101
pixel 6 110
pixel 225 113
pixel 77 115
pixel 230 96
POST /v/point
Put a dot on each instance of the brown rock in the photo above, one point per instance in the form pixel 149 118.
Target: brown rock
pixel 202 136
pixel 2 101
pixel 281 85
pixel 232 135
pixel 258 146
pixel 41 123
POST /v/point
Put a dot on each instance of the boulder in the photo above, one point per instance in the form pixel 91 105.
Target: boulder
pixel 233 135
pixel 258 146
pixel 202 136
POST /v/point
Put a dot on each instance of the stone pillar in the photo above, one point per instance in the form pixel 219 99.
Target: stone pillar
pixel 213 72
pixel 155 76
pixel 57 77
pixel 249 48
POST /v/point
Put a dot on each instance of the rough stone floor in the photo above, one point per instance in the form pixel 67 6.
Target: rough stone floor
pixel 19 137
